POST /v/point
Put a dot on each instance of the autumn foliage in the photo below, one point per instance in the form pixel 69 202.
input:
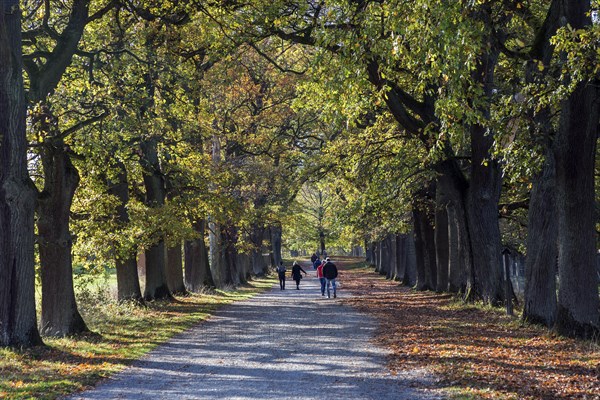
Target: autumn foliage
pixel 474 351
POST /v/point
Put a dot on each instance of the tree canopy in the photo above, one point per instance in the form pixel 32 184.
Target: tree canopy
pixel 238 128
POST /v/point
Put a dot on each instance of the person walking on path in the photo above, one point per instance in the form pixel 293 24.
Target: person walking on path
pixel 316 263
pixel 330 272
pixel 321 277
pixel 281 273
pixel 296 274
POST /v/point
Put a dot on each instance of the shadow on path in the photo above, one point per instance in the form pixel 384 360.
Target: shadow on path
pixel 291 344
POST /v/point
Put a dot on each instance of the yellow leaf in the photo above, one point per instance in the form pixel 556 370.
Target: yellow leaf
pixel 540 65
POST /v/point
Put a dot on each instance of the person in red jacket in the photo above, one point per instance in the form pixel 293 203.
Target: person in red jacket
pixel 321 277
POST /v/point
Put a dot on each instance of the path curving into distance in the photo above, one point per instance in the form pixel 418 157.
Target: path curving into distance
pixel 291 344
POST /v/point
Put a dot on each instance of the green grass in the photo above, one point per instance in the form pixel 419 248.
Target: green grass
pixel 121 334
pixel 352 263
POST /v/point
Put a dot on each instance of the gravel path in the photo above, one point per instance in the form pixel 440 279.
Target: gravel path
pixel 291 344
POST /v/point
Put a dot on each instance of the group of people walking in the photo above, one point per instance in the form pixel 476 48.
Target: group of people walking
pixel 326 272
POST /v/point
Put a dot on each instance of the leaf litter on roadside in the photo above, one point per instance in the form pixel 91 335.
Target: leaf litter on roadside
pixel 476 352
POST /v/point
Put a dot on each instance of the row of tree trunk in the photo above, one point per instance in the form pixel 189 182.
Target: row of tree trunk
pixel 395 257
pixel 463 252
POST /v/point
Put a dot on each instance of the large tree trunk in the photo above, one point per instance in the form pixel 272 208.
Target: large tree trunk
pixel 460 267
pixel 156 277
pixel 401 258
pixel 542 251
pixel 276 243
pixel 442 250
pixel 259 267
pixel 410 271
pixel 393 273
pixel 542 225
pixel 59 312
pixel 378 256
pixel 453 185
pixel 222 263
pixel 484 194
pixel 484 189
pixel 18 326
pixel 197 268
pixel 243 267
pixel 575 149
pixel 60 316
pixel 425 250
pixel 370 253
pixel 216 253
pixel 128 282
pixel 156 269
pixel 230 238
pixel 385 257
pixel 322 242
pixel 175 269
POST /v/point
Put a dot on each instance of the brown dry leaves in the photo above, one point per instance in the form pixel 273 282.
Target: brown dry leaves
pixel 476 352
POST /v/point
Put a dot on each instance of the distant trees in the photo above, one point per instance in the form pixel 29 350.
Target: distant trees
pixel 476 85
pixel 202 135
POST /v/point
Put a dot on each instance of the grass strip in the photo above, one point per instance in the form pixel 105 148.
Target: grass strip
pixel 122 333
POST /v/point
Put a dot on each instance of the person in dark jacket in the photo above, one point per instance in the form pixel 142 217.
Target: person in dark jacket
pixel 330 272
pixel 281 273
pixel 316 263
pixel 296 274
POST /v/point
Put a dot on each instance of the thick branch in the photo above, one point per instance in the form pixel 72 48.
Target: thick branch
pixel 83 124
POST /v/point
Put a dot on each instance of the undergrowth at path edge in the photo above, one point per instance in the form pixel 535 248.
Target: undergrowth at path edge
pixel 122 334
pixel 477 352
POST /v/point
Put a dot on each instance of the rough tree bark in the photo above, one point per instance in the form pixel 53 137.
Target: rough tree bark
pixel 230 239
pixel 216 253
pixel 575 149
pixel 453 185
pixel 442 249
pixel 60 316
pixel 276 243
pixel 18 326
pixel 401 257
pixel 410 271
pixel 197 269
pixel 156 275
pixel 542 251
pixel 378 256
pixel 542 225
pixel 485 186
pixel 370 250
pixel 243 267
pixel 578 308
pixel 128 282
pixel 175 269
pixel 259 267
pixel 423 216
pixel 424 251
pixel 385 256
pixel 393 272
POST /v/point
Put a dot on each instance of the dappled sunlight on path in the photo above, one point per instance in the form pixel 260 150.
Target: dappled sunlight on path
pixel 278 345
